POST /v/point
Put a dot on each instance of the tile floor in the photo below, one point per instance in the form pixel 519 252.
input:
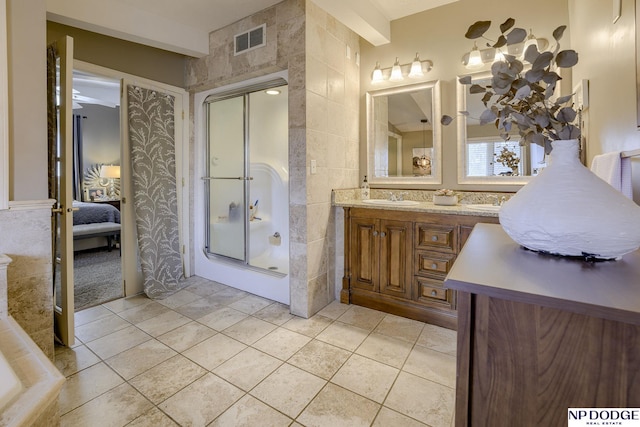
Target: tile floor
pixel 214 355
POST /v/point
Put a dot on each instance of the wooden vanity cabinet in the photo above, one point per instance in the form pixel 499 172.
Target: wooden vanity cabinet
pixel 396 261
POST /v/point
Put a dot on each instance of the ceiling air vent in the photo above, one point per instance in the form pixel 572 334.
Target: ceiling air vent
pixel 249 40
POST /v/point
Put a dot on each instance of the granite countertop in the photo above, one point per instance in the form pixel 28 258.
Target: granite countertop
pixel 351 198
pixel 426 207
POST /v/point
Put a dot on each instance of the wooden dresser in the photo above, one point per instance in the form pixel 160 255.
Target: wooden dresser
pixel 539 334
pixel 396 261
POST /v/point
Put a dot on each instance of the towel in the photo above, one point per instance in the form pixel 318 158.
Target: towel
pixel 615 170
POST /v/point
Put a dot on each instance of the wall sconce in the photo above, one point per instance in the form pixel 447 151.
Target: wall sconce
pixel 416 69
pixel 110 173
pixel 476 58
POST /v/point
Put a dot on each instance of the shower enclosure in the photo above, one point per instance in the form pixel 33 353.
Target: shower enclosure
pixel 246 178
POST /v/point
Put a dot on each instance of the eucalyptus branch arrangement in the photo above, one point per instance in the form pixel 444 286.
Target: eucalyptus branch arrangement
pixel 525 99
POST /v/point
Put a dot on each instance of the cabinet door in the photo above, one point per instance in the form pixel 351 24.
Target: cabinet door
pixel 396 245
pixel 364 253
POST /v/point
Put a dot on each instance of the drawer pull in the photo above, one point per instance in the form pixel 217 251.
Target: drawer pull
pixel 434 238
pixel 382 234
pixel 375 233
pixel 434 293
pixel 434 266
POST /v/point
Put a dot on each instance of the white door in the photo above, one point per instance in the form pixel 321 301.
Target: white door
pixel 63 211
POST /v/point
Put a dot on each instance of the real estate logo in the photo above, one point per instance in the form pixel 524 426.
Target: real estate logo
pixel 626 417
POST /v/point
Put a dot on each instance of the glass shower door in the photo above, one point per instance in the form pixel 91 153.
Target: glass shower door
pixel 227 177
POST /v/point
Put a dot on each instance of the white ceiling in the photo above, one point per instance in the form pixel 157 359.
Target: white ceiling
pixel 184 26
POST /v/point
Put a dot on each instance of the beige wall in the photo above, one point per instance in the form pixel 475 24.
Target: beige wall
pixel 332 93
pixel 608 61
pixel 438 35
pixel 116 54
pixel 27 99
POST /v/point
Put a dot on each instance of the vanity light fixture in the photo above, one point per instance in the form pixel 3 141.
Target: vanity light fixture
pixel 531 41
pixel 377 76
pixel 479 57
pixel 415 69
pixel 396 72
pixel 272 92
pixel 499 56
pixel 475 57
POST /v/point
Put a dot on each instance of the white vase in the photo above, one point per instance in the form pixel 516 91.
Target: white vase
pixel 567 210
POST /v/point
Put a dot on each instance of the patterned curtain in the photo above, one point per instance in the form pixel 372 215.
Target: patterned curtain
pixel 153 163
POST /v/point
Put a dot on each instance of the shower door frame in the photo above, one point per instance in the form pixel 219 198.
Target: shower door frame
pixel 244 92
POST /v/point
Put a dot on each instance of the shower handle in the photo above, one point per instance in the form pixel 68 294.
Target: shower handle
pixel 238 178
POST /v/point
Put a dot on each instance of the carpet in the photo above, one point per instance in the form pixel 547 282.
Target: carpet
pixel 98 278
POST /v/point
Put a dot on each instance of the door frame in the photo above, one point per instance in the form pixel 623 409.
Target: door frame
pixel 132 277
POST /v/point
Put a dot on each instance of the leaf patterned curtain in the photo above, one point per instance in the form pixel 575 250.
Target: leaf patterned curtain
pixel 153 165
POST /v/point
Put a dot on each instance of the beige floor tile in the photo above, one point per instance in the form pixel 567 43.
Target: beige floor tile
pixel 198 308
pixel 227 296
pixel 86 385
pixel 72 360
pixel 117 407
pixel 204 287
pixel 167 378
pixel 385 349
pixel 309 327
pixel 202 401
pixel 221 318
pixel 101 327
pixel 337 407
pixel 140 358
pixel 153 418
pixel 320 359
pixel 334 310
pixel 163 323
pixel 366 377
pixel 143 312
pixel 250 412
pixel 432 365
pixel 90 315
pixel 214 351
pixel 400 327
pixel 250 304
pixel 186 336
pixel 386 418
pixel 122 304
pixel 249 330
pixel 117 342
pixel 247 368
pixel 179 298
pixel 439 339
pixel 421 399
pixel 343 335
pixel 362 317
pixel 277 313
pixel 288 389
pixel 282 343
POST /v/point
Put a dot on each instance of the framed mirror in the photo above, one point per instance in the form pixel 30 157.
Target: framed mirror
pixel 483 156
pixel 404 137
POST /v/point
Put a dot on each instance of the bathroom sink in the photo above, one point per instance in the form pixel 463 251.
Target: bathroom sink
pixel 484 207
pixel 386 202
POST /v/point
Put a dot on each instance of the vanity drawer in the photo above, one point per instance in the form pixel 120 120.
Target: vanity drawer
pixel 431 292
pixel 433 264
pixel 430 236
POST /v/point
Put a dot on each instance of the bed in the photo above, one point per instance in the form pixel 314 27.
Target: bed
pixel 95 221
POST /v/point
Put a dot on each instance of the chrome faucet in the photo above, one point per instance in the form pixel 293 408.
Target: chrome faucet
pixel 399 197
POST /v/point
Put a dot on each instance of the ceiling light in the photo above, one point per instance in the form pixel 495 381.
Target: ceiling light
pixel 272 92
pixel 416 68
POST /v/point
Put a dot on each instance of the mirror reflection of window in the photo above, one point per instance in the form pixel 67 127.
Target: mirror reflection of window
pixel 496 157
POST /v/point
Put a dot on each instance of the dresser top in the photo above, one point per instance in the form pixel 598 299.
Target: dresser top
pixel 492 264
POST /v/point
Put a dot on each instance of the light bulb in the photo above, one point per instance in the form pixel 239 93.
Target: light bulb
pixel 396 72
pixel 416 68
